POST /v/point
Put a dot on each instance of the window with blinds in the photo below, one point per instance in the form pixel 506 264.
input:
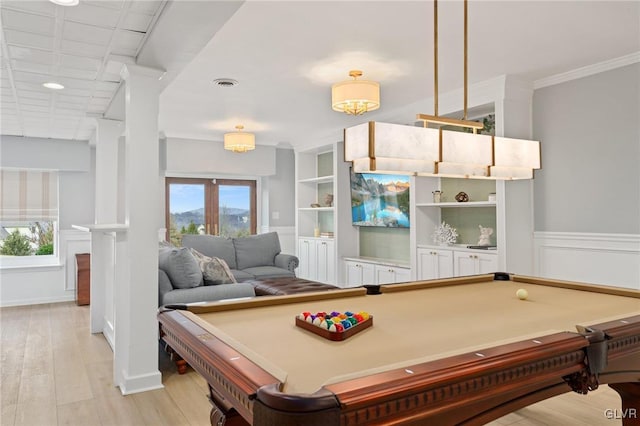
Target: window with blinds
pixel 28 216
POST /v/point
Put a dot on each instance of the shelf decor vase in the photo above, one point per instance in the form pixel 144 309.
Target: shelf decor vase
pixel 437 196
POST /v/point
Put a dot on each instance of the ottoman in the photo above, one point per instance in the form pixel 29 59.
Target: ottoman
pixel 287 285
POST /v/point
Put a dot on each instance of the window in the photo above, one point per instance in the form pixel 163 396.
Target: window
pixel 28 217
pixel 225 207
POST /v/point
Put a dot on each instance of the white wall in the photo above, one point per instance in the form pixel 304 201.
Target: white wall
pixel 74 162
pixel 587 194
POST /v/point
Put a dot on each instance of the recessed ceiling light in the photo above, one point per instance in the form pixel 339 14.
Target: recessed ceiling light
pixel 65 2
pixel 225 82
pixel 53 85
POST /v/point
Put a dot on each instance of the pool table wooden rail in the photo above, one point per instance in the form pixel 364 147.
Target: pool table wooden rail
pixel 471 389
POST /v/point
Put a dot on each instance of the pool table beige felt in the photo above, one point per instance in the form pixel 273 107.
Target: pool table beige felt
pixel 434 347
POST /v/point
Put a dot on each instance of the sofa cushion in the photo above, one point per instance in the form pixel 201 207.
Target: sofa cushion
pixel 261 272
pixel 181 267
pixel 208 293
pixel 256 250
pixel 212 246
pixel 214 270
pixel 241 276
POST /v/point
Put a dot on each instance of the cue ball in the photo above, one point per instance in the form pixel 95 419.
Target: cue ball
pixel 522 294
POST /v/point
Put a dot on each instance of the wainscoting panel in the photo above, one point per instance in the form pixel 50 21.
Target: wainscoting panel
pixel 287 236
pixel 606 259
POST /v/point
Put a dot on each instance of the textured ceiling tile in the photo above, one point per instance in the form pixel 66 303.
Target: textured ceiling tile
pixel 99 102
pixel 149 7
pixel 107 86
pixel 66 105
pixel 35 108
pixel 127 42
pixel 77 73
pixel 80 62
pixel 42 7
pixel 78 92
pixel 32 67
pixel 78 100
pixel 89 14
pixel 111 4
pixel 86 33
pixel 82 49
pixel 31 94
pixel 7 96
pixel 137 22
pixel 32 55
pixel 27 39
pixel 34 102
pixel 28 77
pixel 28 22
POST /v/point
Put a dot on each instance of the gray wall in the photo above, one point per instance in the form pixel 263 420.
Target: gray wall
pixel 282 189
pixel 590 139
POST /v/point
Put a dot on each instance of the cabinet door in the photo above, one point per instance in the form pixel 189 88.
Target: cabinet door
pixel 427 266
pixel 434 264
pixel 353 273
pixel 325 265
pixel 403 275
pixel 384 274
pixel 391 274
pixel 464 264
pixel 487 263
pixel 307 259
pixel 444 263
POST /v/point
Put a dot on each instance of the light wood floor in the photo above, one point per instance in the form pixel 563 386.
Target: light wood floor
pixel 55 373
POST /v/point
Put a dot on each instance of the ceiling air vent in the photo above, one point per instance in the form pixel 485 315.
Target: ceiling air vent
pixel 225 82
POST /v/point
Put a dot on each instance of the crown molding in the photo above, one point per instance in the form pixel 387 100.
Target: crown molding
pixel 587 71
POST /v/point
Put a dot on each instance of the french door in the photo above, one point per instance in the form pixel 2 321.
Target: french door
pixel 225 207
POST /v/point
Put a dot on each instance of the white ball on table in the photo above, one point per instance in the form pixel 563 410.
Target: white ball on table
pixel 522 294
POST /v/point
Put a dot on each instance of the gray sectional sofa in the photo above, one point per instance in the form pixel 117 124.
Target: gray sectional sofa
pixel 256 257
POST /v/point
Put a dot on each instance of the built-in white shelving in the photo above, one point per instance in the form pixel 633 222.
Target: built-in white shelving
pixel 459 205
pixel 319 179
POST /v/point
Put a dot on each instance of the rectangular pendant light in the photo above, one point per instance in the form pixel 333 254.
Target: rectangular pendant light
pixel 391 148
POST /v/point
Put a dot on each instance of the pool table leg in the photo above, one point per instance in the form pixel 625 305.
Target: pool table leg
pixel 181 364
pixel 223 414
pixel 630 394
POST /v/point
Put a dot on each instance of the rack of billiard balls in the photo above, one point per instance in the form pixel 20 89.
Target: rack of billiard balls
pixel 335 326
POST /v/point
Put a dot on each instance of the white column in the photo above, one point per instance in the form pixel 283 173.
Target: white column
pixel 136 292
pixel 513 119
pixel 107 134
pixel 106 196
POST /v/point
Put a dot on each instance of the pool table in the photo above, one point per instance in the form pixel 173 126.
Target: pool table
pixel 440 352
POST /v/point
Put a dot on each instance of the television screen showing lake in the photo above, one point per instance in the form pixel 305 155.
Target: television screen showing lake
pixel 380 200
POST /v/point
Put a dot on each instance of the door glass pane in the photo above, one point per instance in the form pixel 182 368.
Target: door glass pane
pixel 187 210
pixel 234 210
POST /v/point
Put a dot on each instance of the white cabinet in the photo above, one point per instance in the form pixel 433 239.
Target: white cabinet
pixel 358 273
pixel 434 264
pixel 325 263
pixel 391 274
pixel 361 271
pixel 317 259
pixel 306 257
pixel 467 263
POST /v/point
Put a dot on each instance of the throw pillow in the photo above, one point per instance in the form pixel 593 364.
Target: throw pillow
pixel 181 267
pixel 214 270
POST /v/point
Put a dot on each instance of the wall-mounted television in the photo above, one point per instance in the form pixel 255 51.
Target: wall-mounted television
pixel 380 200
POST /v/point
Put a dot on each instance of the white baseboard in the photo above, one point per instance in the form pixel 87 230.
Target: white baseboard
pixel 37 301
pixel 140 383
pixel 607 259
